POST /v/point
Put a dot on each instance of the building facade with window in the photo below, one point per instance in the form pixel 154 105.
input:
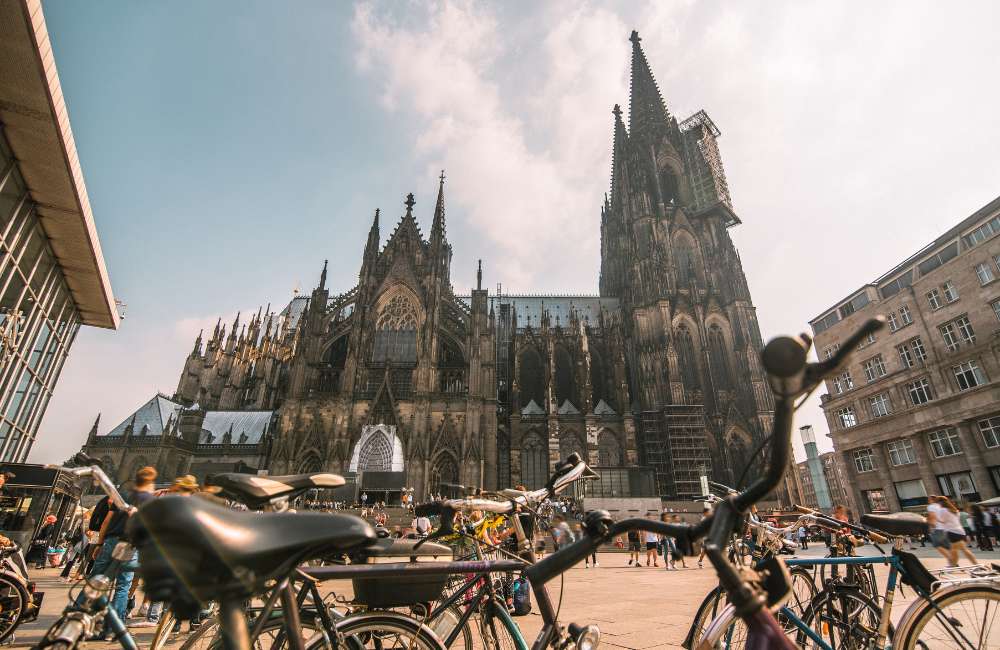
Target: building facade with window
pixel 401 381
pixel 917 411
pixel 52 273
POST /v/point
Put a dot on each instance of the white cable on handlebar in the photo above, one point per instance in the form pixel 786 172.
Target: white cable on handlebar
pixel 101 479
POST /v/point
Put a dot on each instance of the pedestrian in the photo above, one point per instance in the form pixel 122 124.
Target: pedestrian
pixel 561 534
pixel 947 534
pixel 633 548
pixel 967 525
pixel 40 543
pixel 803 538
pixel 421 525
pixel 112 533
pixel 676 552
pixel 705 512
pixel 652 544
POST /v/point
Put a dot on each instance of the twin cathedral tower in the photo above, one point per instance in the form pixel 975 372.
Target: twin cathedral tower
pixel 400 383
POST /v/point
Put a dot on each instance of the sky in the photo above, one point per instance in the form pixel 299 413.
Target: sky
pixel 229 148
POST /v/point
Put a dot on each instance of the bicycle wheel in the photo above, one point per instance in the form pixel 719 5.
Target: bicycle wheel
pixel 498 629
pixel 965 617
pixel 381 631
pixel 14 600
pixel 844 618
pixel 445 623
pixel 164 630
pixel 272 636
pixel 802 591
pixel 710 606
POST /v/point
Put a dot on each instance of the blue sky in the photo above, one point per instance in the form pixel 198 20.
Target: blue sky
pixel 230 147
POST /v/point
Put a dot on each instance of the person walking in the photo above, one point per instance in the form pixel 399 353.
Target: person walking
pixel 705 512
pixel 111 533
pixel 676 552
pixel 947 534
pixel 652 547
pixel 983 523
pixel 633 547
pixel 803 538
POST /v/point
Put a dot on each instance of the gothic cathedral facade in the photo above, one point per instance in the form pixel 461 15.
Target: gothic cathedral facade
pixel 400 383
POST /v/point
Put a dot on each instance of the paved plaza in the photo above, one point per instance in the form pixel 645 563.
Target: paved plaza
pixel 636 609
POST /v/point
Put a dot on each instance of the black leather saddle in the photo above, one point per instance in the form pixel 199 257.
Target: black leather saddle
pixel 193 550
pixel 899 523
pixel 258 491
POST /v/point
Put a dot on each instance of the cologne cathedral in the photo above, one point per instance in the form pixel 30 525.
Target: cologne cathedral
pixel 399 383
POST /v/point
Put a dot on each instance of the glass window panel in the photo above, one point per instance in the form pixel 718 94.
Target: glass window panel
pixel 11 194
pixel 18 396
pixel 45 265
pixel 32 249
pixel 38 350
pixel 34 389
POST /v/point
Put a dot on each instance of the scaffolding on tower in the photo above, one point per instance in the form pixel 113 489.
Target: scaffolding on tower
pixel 675 447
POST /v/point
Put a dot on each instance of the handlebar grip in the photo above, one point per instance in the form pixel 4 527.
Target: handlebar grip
pixel 804 510
pixel 875 537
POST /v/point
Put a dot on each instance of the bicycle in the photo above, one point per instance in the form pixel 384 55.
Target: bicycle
pixel 19 602
pixel 843 616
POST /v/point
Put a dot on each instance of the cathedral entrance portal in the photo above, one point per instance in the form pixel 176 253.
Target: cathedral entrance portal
pixel 377 463
pixel 444 476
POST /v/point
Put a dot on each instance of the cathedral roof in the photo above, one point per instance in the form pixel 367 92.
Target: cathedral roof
pixel 602 408
pixel 529 308
pixel 567 408
pixel 532 409
pixel 154 414
pixel 217 423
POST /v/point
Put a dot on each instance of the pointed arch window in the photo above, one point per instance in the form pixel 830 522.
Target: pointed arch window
pixel 569 443
pixel 687 358
pixel 598 378
pixel 396 332
pixel 685 258
pixel 531 378
pixel 609 452
pixel 376 455
pixel 565 377
pixel 719 358
pixel 534 461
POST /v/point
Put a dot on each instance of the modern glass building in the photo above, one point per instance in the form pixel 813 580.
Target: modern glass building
pixel 52 273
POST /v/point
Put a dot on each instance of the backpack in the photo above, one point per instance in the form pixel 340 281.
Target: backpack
pixel 521 593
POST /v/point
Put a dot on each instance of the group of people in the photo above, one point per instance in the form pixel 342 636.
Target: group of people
pixel 657 546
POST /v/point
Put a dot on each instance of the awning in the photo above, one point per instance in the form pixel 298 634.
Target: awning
pixel 36 123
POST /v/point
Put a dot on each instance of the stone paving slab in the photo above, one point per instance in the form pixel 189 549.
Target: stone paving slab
pixel 636 609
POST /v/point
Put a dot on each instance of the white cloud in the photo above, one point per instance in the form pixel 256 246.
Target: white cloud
pixel 523 193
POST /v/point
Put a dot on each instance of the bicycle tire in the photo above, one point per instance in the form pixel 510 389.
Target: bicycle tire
pixel 498 630
pixel 847 619
pixel 445 622
pixel 164 628
pixel 272 634
pixel 918 634
pixel 14 599
pixel 713 603
pixel 368 630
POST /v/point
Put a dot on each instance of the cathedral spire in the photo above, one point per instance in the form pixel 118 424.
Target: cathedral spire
pixel 437 227
pixel 371 248
pixel 197 344
pixel 646 107
pixel 322 276
pixel 618 154
pixel 93 429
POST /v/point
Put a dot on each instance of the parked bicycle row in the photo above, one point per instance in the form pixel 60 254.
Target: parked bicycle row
pixel 254 577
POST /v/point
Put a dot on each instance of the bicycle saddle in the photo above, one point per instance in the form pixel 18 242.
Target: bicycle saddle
pixel 257 491
pixel 191 549
pixel 899 523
